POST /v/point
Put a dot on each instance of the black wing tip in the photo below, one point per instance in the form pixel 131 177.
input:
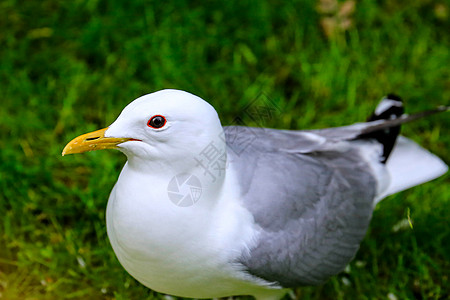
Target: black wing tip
pixel 389 108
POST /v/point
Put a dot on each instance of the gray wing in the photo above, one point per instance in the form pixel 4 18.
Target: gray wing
pixel 313 203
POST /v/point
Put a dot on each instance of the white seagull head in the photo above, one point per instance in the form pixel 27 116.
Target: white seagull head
pixel 168 125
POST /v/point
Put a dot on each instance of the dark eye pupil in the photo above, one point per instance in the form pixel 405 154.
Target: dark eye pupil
pixel 157 122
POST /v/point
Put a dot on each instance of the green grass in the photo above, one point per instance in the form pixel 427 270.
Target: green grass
pixel 68 67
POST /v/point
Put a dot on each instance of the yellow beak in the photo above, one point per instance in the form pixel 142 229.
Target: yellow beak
pixel 91 141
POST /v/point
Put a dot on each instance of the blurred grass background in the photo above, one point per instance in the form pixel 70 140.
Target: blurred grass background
pixel 68 67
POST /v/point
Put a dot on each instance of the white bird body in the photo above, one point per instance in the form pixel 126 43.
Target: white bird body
pixel 141 224
pixel 290 210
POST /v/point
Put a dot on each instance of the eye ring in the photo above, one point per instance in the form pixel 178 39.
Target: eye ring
pixel 157 122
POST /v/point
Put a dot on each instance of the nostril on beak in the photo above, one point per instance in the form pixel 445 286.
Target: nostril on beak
pixel 92 138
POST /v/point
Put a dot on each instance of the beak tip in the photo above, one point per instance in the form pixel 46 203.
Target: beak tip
pixel 91 141
pixel 67 149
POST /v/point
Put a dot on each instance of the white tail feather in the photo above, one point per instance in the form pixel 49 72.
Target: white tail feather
pixel 410 165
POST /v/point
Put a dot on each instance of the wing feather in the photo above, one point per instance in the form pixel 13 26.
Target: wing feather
pixel 312 202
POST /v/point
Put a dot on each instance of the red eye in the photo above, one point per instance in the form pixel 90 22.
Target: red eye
pixel 156 122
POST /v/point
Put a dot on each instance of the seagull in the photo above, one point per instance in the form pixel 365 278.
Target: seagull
pixel 205 211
